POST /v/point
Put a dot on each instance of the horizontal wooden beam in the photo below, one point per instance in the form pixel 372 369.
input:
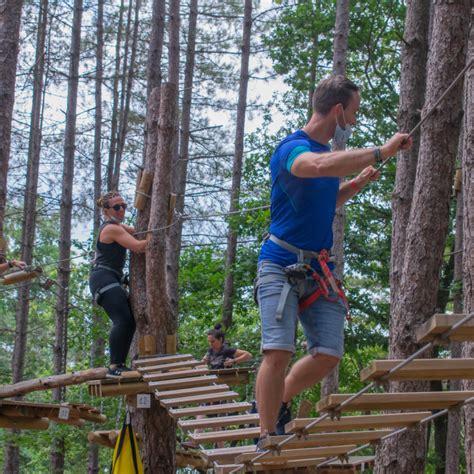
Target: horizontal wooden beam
pixel 159 376
pixel 306 453
pixel 207 389
pixel 118 389
pixel 421 369
pixel 101 438
pixel 183 383
pixel 327 439
pixel 198 399
pixel 396 401
pixel 210 409
pixel 220 421
pixel 52 381
pixel 160 359
pixel 389 420
pixel 24 423
pixel 172 366
pixel 440 323
pixel 225 435
pixel 226 454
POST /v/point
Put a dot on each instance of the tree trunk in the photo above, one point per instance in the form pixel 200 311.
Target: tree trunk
pixel 468 239
pixel 115 100
pixel 181 167
pixel 154 75
pixel 314 61
pixel 228 304
pixel 10 20
pixel 127 94
pixel 412 96
pixel 98 343
pixel 428 221
pixel 64 268
pixel 156 428
pixel 330 383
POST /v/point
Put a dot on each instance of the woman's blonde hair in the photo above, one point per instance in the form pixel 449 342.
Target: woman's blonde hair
pixel 103 201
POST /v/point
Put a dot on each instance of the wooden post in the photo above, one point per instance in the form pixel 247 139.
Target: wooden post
pixel 171 344
pixel 146 345
pixel 142 192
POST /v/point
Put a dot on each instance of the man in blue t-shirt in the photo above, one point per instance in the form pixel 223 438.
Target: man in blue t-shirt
pixel 305 194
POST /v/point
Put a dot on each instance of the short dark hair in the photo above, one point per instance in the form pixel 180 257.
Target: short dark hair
pixel 335 89
pixel 217 332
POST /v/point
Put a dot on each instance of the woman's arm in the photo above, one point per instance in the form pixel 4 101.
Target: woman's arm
pixel 128 228
pixel 239 356
pixel 117 233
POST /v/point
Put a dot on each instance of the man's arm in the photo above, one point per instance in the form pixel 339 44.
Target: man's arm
pixel 352 187
pixel 344 163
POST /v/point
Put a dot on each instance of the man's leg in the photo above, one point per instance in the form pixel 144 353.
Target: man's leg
pixel 306 373
pixel 270 386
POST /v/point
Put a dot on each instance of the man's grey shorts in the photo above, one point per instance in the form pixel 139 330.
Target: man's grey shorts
pixel 323 321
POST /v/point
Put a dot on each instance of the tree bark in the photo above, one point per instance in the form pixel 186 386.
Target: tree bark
pixel 330 383
pixel 115 100
pixel 10 20
pixel 156 428
pixel 181 166
pixel 98 343
pixel 228 304
pixel 127 94
pixel 468 239
pixel 154 75
pixel 412 96
pixel 64 267
pixel 428 221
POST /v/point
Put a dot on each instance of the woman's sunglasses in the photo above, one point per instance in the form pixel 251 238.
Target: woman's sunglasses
pixel 117 207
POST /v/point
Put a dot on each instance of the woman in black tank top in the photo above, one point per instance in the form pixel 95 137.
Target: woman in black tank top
pixel 106 277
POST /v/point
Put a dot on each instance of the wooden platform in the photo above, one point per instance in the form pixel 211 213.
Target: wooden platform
pixel 421 369
pixel 113 388
pixel 300 454
pixel 175 374
pixel 160 359
pixel 440 323
pixel 225 435
pixel 352 465
pixel 206 389
pixel 234 375
pixel 221 421
pixel 78 413
pixel 396 401
pixel 199 399
pixel 176 384
pixel 186 364
pixel 389 420
pixel 226 455
pixel 210 409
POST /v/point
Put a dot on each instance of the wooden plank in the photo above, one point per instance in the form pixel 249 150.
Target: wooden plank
pixel 53 381
pixel 326 439
pixel 178 374
pixel 160 359
pixel 198 399
pixel 226 454
pixel 209 389
pixel 24 423
pixel 396 401
pixel 117 389
pixel 389 420
pixel 203 423
pixel 172 366
pixel 225 435
pixel 421 369
pixel 210 409
pixel 183 383
pixel 440 323
pixel 306 453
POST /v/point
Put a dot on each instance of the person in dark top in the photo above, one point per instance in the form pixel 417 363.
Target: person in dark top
pixel 107 279
pixel 219 354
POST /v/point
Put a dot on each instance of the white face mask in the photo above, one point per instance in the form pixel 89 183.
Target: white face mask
pixel 341 135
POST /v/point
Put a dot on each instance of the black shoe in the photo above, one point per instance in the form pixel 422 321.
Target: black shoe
pixel 116 372
pixel 260 440
pixel 284 417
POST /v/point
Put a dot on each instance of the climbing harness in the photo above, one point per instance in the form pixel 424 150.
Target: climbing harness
pixel 297 273
pixel 123 283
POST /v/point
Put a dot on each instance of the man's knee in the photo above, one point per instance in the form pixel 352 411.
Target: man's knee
pixel 327 360
pixel 276 360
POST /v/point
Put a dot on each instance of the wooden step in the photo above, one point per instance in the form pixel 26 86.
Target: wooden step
pixel 353 464
pixel 196 400
pixel 210 409
pixel 221 455
pixel 215 422
pixel 326 439
pixel 289 454
pixel 163 359
pixel 172 366
pixel 183 383
pixel 396 401
pixel 209 389
pixel 421 369
pixel 440 323
pixel 389 420
pixel 225 435
pixel 178 374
